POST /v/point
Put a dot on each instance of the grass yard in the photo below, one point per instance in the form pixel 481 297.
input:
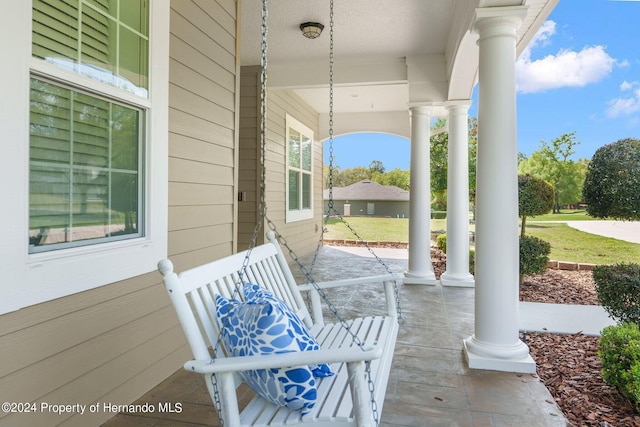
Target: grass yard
pixel 564 215
pixel 567 244
pixel 370 229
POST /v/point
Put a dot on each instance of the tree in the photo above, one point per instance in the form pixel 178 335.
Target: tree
pixel 376 167
pixel 612 183
pixel 552 163
pixel 397 177
pixel 535 197
pixel 439 160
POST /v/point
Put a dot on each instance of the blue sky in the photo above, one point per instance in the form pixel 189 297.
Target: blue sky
pixel 581 73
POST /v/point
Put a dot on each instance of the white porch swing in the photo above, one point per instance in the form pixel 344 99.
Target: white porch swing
pixel 246 321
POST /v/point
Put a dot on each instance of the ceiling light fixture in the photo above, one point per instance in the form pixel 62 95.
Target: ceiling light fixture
pixel 311 30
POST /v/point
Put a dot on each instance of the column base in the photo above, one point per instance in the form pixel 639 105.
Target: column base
pixel 458 280
pixel 498 358
pixel 428 278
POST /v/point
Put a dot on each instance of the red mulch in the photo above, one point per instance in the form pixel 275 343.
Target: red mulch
pixel 569 364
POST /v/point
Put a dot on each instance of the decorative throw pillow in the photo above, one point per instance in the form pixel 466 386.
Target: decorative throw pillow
pixel 264 324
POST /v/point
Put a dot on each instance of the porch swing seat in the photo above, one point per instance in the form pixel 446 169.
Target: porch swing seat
pixel 344 399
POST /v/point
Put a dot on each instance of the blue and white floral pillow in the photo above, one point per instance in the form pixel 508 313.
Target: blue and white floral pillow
pixel 264 324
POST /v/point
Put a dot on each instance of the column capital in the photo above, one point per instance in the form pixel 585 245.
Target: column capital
pixel 421 109
pixel 458 106
pixel 493 21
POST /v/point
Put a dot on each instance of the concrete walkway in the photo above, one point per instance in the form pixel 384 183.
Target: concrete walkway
pixel 563 318
pixel 629 231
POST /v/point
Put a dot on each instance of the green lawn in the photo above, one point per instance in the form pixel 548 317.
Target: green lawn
pixel 564 215
pixel 370 229
pixel 567 244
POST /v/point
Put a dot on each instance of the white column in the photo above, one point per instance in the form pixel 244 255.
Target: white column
pixel 420 270
pixel 495 344
pixel 457 273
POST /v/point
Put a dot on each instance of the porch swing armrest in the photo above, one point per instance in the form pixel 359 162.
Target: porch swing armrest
pixel 299 358
pixel 389 282
pixel 381 278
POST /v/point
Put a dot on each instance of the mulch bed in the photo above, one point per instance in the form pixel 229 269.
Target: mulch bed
pixel 569 364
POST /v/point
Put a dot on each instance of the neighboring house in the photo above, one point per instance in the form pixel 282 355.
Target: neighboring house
pixel 130 133
pixel 368 198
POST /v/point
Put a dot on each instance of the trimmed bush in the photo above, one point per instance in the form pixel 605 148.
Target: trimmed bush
pixel 535 197
pixel 438 214
pixel 618 288
pixel 534 255
pixel 619 351
pixel 612 184
pixel 441 242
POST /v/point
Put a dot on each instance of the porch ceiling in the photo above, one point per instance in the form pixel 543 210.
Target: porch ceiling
pixel 374 43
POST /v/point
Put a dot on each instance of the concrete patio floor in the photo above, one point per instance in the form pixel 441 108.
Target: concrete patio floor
pixel 429 385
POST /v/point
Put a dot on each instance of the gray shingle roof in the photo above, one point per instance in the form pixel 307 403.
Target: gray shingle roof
pixel 368 190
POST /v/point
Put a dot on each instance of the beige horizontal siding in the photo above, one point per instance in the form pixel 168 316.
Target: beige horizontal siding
pixel 114 343
pixel 183 147
pixel 249 155
pixel 301 235
pixel 187 217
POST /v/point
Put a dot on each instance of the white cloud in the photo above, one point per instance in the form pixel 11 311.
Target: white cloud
pixel 626 105
pixel 567 68
pixel 625 85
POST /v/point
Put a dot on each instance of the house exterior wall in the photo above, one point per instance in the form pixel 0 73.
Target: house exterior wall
pixel 249 150
pixel 301 235
pixel 115 342
pixel 381 208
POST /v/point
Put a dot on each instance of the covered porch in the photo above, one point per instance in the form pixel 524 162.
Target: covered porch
pixel 430 383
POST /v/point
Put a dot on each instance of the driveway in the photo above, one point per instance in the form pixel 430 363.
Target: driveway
pixel 628 231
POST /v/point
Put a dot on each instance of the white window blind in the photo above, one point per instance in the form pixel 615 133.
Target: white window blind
pixel 106 40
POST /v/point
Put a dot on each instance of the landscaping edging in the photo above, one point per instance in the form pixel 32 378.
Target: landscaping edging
pixel 572 266
pixel 555 265
pixel 372 244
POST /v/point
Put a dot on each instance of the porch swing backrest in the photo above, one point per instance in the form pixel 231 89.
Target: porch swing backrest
pixel 343 398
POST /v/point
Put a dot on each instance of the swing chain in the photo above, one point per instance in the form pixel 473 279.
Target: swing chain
pixel 374 404
pixel 216 399
pixel 332 308
pixel 331 67
pixel 262 207
pixel 396 291
pixel 330 203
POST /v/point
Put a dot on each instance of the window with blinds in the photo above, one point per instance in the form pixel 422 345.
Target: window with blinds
pixel 106 40
pixel 86 149
pixel 85 168
pixel 299 170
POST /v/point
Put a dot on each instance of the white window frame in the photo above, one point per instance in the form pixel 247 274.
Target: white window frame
pixel 40 277
pixel 298 214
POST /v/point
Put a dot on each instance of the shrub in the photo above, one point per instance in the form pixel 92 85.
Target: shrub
pixel 438 214
pixel 534 255
pixel 619 351
pixel 535 197
pixel 441 242
pixel 618 288
pixel 612 184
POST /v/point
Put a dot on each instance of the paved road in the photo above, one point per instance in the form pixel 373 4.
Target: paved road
pixel 628 231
